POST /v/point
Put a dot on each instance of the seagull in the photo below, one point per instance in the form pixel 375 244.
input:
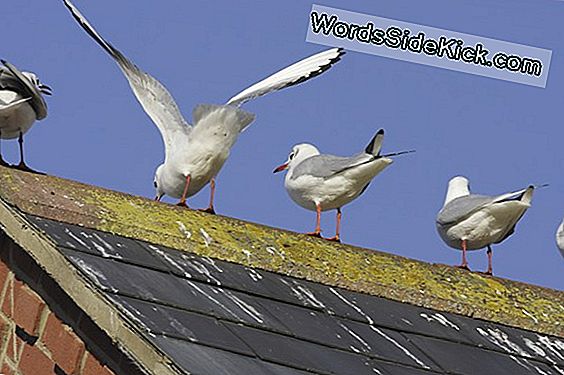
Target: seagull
pixel 560 238
pixel 194 154
pixel 320 182
pixel 471 221
pixel 21 103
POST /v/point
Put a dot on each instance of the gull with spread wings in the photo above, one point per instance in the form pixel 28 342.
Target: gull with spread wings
pixel 194 154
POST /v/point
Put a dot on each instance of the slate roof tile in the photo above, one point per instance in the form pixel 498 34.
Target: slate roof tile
pixel 470 360
pixel 203 360
pixel 215 317
pixel 181 324
pixel 302 354
pixel 97 243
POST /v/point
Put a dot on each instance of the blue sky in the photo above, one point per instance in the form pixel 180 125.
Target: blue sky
pixel 501 135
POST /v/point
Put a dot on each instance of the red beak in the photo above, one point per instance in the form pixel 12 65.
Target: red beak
pixel 281 168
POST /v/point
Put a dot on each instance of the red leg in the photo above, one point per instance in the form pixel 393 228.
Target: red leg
pixel 490 267
pixel 317 232
pixel 337 237
pixel 464 264
pixel 210 209
pixel 183 198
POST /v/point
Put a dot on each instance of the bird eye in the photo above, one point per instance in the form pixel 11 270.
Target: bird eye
pixel 291 156
pixel 155 184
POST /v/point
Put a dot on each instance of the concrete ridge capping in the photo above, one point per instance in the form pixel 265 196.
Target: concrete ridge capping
pixel 372 272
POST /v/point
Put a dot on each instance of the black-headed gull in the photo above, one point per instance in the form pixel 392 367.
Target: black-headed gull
pixel 472 222
pixel 21 103
pixel 320 182
pixel 195 154
pixel 560 238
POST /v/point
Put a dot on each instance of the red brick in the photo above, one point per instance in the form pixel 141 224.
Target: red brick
pixel 7 370
pixel 10 349
pixel 4 271
pixel 27 307
pixel 93 367
pixel 66 347
pixel 35 362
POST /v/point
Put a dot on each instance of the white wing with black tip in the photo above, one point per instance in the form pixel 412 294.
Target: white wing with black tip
pixel 294 74
pixel 155 99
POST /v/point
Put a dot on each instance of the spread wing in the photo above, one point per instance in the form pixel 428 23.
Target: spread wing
pixel 155 99
pixel 294 74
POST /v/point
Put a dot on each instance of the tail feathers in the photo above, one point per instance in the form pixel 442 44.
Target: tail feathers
pixel 375 145
pixel 398 153
pixel 528 195
pixel 524 196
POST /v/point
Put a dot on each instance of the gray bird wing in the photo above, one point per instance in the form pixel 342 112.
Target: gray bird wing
pixel 462 207
pixel 11 78
pixel 155 99
pixel 325 166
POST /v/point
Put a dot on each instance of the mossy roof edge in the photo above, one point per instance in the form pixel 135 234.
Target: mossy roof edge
pixel 373 272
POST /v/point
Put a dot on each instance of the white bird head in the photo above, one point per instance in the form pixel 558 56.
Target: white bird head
pixel 157 182
pixel 457 187
pixel 298 154
pixel 32 77
pixel 560 238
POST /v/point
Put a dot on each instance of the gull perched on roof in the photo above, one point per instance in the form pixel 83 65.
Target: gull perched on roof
pixel 195 154
pixel 21 103
pixel 319 182
pixel 472 222
pixel 560 238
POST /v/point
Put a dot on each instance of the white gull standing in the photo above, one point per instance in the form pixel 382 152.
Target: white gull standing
pixel 472 222
pixel 195 154
pixel 560 238
pixel 21 103
pixel 326 182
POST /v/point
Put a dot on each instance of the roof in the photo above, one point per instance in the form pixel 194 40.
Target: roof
pixel 186 292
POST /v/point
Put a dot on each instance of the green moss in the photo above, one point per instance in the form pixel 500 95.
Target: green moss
pixel 433 286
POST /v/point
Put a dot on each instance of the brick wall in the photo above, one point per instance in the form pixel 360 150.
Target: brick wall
pixel 33 341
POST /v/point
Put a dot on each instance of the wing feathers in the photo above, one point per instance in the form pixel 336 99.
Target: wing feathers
pixel 294 74
pixel 12 78
pixel 462 207
pixel 155 99
pixel 9 106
